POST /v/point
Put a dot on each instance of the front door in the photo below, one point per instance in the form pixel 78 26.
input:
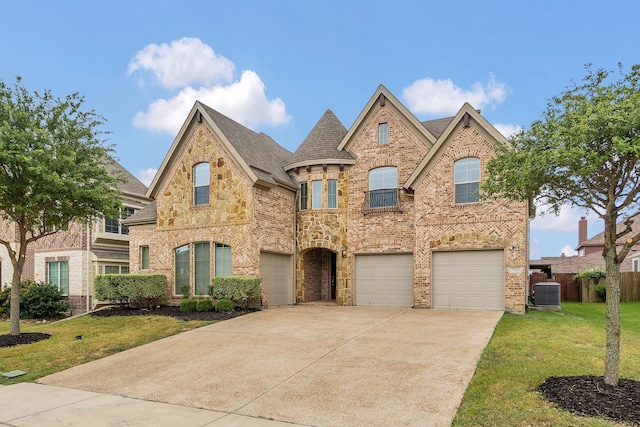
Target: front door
pixel 333 275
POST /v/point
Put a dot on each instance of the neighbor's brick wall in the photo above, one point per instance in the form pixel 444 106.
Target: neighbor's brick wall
pixel 443 225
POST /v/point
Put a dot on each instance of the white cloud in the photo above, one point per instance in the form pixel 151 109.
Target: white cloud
pixel 146 175
pixel 183 62
pixel 244 100
pixel 566 220
pixel 507 130
pixel 567 250
pixel 437 97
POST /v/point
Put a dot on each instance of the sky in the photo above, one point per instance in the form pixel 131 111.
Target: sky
pixel 276 66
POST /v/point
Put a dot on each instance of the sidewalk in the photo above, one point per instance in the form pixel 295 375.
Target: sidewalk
pixel 36 405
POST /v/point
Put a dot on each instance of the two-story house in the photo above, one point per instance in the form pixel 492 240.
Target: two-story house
pixel 385 213
pixel 71 258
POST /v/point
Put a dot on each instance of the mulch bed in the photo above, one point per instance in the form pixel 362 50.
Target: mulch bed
pixel 589 396
pixel 172 311
pixel 24 338
pixel 32 337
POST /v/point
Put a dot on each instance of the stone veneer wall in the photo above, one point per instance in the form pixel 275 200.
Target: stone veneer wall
pixel 443 225
pixel 247 218
pixel 324 228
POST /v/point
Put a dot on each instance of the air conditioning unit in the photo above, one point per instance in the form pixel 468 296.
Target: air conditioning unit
pixel 547 294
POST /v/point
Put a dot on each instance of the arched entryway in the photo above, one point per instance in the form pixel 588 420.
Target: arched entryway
pixel 320 275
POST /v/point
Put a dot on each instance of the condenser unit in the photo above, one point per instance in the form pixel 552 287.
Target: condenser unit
pixel 547 294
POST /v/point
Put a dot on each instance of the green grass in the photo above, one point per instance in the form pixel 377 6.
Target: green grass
pixel 527 349
pixel 101 336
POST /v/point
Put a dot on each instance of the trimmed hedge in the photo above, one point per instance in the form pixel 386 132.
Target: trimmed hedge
pixel 131 289
pixel 188 305
pixel 235 288
pixel 204 304
pixel 224 305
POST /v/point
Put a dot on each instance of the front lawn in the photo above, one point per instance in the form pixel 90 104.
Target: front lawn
pixel 100 337
pixel 527 349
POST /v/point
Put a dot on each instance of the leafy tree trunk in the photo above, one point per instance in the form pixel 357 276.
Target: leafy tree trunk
pixel 17 260
pixel 612 355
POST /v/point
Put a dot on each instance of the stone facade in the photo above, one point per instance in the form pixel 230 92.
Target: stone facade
pixel 254 209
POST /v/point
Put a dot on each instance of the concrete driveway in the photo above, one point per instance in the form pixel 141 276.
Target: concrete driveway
pixel 308 365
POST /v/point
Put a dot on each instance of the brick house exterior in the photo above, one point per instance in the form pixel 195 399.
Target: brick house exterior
pixel 77 254
pixel 384 213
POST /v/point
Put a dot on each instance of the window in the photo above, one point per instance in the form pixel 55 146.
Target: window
pixel 223 260
pixel 383 131
pixel 115 226
pixel 332 194
pixel 144 257
pixel 201 183
pixel 467 179
pixel 116 269
pixel 316 195
pixel 181 268
pixel 202 267
pixel 383 187
pixel 58 275
pixel 304 194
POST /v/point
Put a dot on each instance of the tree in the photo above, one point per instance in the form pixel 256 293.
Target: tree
pixel 53 171
pixel 585 152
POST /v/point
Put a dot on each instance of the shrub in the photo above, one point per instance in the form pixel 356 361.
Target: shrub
pixel 204 305
pixel 224 305
pixel 186 293
pixel 131 289
pixel 43 301
pixel 188 305
pixel 594 274
pixel 602 290
pixel 236 288
pixel 5 302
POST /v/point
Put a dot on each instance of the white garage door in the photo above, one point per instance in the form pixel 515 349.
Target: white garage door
pixel 471 280
pixel 384 280
pixel 276 273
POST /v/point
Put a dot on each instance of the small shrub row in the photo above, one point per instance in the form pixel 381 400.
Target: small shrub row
pixel 131 289
pixel 239 289
pixel 205 304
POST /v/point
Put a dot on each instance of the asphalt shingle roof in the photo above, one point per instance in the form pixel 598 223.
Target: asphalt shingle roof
pixel 132 185
pixel 258 150
pixel 146 215
pixel 322 142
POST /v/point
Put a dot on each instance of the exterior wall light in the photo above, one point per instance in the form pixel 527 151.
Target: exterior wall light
pixel 344 252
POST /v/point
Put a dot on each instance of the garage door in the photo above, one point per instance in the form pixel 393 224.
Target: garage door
pixel 384 280
pixel 468 280
pixel 276 273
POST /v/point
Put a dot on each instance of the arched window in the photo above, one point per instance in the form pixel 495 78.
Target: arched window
pixel 467 180
pixel 383 187
pixel 201 184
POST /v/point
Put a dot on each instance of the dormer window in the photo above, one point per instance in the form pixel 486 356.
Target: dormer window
pixel 383 130
pixel 201 184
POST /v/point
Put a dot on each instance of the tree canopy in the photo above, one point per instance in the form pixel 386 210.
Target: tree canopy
pixel 585 152
pixel 54 169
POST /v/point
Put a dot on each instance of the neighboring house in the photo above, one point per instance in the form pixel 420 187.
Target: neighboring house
pixel 70 259
pixel 590 253
pixel 385 213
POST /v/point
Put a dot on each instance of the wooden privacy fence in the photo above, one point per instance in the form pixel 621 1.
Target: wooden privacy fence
pixel 586 291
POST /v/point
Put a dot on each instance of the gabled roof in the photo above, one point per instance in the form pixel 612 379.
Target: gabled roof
pixel 382 96
pixel 132 185
pixel 321 144
pixel 261 158
pixel 421 170
pixel 598 239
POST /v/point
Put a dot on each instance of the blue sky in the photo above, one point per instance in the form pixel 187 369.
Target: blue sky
pixel 276 66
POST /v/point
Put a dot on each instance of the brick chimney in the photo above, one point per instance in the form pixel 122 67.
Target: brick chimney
pixel 582 230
